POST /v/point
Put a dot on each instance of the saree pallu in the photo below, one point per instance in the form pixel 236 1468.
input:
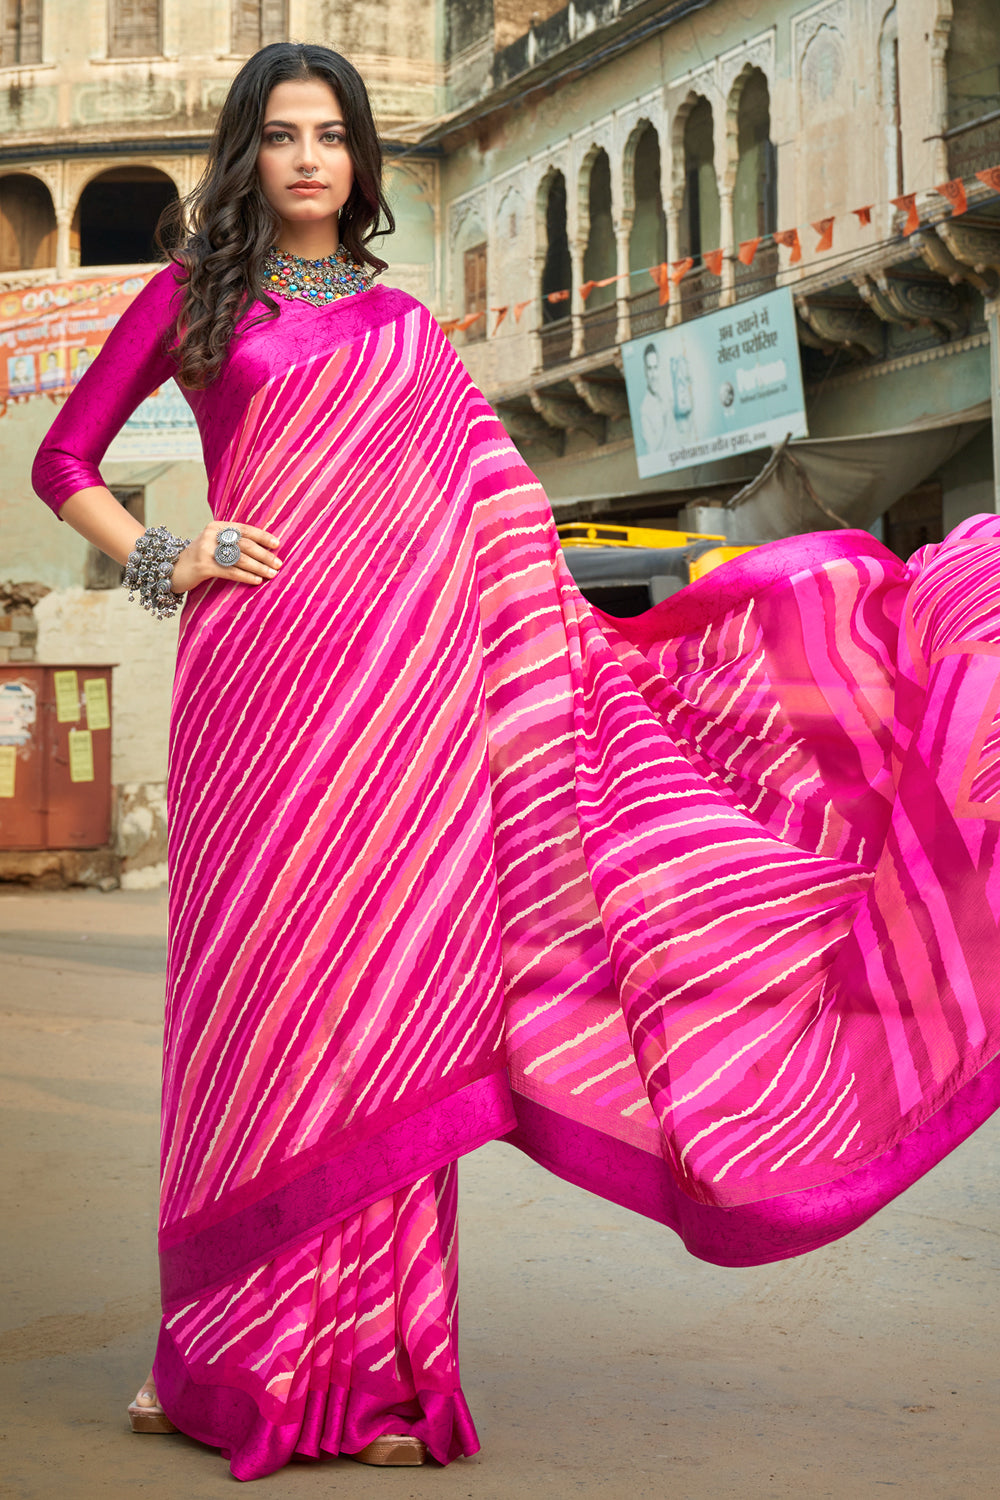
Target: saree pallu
pixel 698 909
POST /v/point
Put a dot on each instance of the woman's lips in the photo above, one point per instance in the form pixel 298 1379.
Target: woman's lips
pixel 306 189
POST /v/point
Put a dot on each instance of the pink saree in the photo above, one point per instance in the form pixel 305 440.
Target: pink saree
pixel 697 909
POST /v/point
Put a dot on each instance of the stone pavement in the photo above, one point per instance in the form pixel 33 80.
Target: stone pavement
pixel 600 1359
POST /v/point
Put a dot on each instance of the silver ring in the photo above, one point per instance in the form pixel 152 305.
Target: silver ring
pixel 308 171
pixel 227 547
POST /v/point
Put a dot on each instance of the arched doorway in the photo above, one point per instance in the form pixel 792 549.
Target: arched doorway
pixel 27 224
pixel 117 215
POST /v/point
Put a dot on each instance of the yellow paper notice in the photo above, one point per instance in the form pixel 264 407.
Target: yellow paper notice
pixel 81 755
pixel 8 769
pixel 95 692
pixel 67 697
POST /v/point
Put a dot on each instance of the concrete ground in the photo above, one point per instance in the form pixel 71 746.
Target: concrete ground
pixel 599 1358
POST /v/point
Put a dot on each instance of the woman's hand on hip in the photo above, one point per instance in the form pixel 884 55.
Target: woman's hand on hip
pixel 258 559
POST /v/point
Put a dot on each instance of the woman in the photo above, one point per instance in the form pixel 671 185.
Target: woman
pixel 698 909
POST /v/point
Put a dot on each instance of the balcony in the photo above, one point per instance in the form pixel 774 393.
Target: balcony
pixel 973 133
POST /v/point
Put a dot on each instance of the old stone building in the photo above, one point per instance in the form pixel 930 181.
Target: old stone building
pixel 544 163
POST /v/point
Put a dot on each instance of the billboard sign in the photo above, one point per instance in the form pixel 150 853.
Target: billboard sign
pixel 50 335
pixel 719 385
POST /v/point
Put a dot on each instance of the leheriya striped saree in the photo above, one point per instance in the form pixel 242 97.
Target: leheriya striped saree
pixel 699 910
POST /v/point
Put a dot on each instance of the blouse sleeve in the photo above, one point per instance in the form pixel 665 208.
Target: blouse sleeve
pixel 130 366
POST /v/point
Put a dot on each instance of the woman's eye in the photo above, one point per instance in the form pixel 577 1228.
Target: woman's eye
pixel 334 138
pixel 276 137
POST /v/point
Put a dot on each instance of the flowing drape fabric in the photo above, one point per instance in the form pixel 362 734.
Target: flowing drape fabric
pixel 698 909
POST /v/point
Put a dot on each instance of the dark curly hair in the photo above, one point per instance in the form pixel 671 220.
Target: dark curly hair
pixel 220 234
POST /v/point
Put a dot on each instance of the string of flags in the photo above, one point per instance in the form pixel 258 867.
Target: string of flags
pixel 671 273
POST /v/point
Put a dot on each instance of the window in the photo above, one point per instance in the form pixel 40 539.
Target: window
pixel 134 28
pixel 102 572
pixel 475 292
pixel 257 23
pixel 22 33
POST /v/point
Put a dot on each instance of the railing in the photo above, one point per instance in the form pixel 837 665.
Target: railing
pixel 557 341
pixel 760 277
pixel 973 133
pixel 600 326
pixel 699 293
pixel 645 315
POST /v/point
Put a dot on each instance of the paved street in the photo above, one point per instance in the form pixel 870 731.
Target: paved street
pixel 600 1359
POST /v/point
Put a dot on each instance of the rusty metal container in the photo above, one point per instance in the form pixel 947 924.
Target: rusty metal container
pixel 55 757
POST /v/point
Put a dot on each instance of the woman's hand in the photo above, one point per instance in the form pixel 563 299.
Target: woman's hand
pixel 258 559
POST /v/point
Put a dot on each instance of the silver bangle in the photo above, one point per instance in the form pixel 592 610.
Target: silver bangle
pixel 149 569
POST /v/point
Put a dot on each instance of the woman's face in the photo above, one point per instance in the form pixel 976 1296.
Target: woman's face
pixel 303 164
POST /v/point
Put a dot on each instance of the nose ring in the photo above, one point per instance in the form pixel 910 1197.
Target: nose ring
pixel 307 171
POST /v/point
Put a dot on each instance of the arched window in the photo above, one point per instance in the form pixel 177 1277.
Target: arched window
pixel 257 23
pixel 557 274
pixel 27 224
pixel 647 245
pixel 755 196
pixel 21 35
pixel 600 259
pixel 117 215
pixel 700 217
pixel 134 28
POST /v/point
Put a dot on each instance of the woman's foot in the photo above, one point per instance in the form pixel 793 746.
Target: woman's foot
pixel 392 1451
pixel 146 1414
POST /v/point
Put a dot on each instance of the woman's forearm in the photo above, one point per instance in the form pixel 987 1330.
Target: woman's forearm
pixel 97 515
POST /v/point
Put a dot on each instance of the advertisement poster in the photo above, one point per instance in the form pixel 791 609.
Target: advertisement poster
pixel 722 384
pixel 49 337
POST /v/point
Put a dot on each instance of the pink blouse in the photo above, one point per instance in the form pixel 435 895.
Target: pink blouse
pixel 134 362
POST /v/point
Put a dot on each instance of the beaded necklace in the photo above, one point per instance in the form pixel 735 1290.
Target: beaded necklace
pixel 315 281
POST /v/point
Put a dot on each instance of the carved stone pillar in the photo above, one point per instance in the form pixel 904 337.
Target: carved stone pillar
pixel 727 295
pixel 623 287
pixel 64 219
pixel 940 37
pixel 536 309
pixel 577 303
pixel 673 240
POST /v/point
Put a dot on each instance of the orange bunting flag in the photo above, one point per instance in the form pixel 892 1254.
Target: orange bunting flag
pixel 991 177
pixel 747 251
pixel 449 325
pixel 501 313
pixel 586 289
pixel 864 215
pixel 713 260
pixel 661 275
pixel 954 191
pixel 679 269
pixel 824 228
pixel 790 239
pixel 469 319
pixel 907 203
pixel 557 297
pixel 519 309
